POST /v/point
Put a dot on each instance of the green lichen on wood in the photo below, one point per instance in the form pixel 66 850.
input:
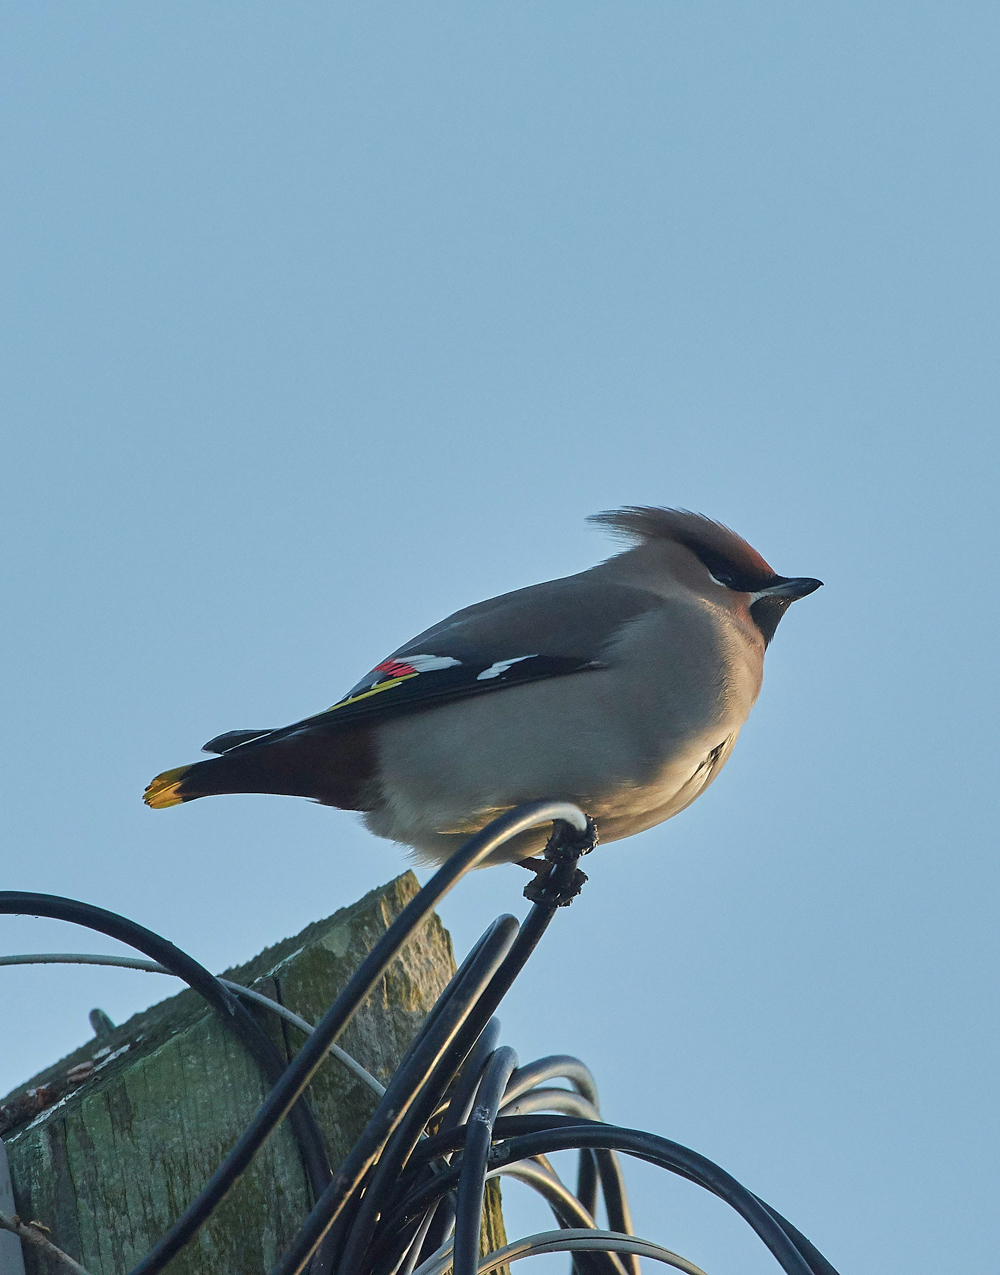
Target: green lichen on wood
pixel 116 1161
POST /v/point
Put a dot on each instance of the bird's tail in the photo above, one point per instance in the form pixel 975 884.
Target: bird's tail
pixel 165 789
pixel 335 769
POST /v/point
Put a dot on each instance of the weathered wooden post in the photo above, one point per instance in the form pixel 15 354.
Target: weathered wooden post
pixel 11 1259
pixel 108 1146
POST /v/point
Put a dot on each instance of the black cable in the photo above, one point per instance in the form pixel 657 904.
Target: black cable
pixel 531 932
pixel 413 1093
pixel 613 1190
pixel 397 1099
pixel 305 1063
pixel 586 1181
pixel 345 1180
pixel 552 1067
pixel 456 1113
pixel 398 1151
pixel 809 1250
pixel 527 1136
pixel 567 1209
pixel 386 1258
pixel 527 940
pixel 579 1075
pixel 586 1193
pixel 667 1154
pixel 395 1188
pixel 561 884
pixel 260 1046
pixel 472 1177
pixel 581 1261
pixel 442 1224
pixel 404 1138
pixel 326 1257
pixel 469 1076
pixel 435 1010
pixel 389 1258
pixel 448 1140
pixel 575 1104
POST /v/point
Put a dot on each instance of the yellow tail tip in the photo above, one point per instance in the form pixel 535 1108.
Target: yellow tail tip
pixel 164 791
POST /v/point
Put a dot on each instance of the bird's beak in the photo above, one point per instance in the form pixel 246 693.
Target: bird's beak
pixel 790 589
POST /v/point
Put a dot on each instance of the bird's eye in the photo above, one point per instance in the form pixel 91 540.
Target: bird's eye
pixel 729 578
pixel 730 575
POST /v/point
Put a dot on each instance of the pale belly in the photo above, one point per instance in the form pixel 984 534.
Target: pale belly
pixel 441 785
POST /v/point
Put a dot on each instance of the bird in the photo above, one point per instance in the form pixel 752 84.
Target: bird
pixel 622 689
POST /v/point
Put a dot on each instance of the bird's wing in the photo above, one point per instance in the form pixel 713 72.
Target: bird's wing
pixel 545 631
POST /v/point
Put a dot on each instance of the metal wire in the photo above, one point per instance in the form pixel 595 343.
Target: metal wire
pixel 87 958
pixel 388 1209
pixel 562 1100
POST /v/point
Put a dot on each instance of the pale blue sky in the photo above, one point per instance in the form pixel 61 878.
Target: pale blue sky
pixel 324 320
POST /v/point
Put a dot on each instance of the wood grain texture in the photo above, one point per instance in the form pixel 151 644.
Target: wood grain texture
pixel 113 1163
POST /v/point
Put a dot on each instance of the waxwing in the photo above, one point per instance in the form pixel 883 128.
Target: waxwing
pixel 621 689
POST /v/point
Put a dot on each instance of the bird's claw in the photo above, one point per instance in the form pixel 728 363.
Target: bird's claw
pixel 557 879
pixel 558 886
pixel 567 844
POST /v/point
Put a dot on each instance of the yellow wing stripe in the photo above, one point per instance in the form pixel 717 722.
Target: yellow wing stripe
pixel 375 690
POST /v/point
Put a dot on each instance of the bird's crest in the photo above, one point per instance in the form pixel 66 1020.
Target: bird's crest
pixel 703 536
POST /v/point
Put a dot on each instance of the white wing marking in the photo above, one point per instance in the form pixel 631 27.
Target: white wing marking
pixel 501 666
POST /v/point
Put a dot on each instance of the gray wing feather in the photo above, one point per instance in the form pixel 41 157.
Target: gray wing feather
pixel 575 616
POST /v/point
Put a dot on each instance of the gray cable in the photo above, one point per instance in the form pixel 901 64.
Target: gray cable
pixel 85 958
pixel 574 1104
pixel 567 1241
pixel 554 1190
pixel 409 1259
pixel 520 1096
pixel 569 1212
pixel 555 1065
pixel 153 967
pixel 563 1101
pixel 341 1055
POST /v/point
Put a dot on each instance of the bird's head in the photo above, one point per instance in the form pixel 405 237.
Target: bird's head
pixel 716 558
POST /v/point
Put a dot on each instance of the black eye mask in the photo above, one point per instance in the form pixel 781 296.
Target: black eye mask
pixel 731 574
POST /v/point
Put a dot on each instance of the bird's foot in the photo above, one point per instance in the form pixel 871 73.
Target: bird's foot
pixel 567 843
pixel 557 879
